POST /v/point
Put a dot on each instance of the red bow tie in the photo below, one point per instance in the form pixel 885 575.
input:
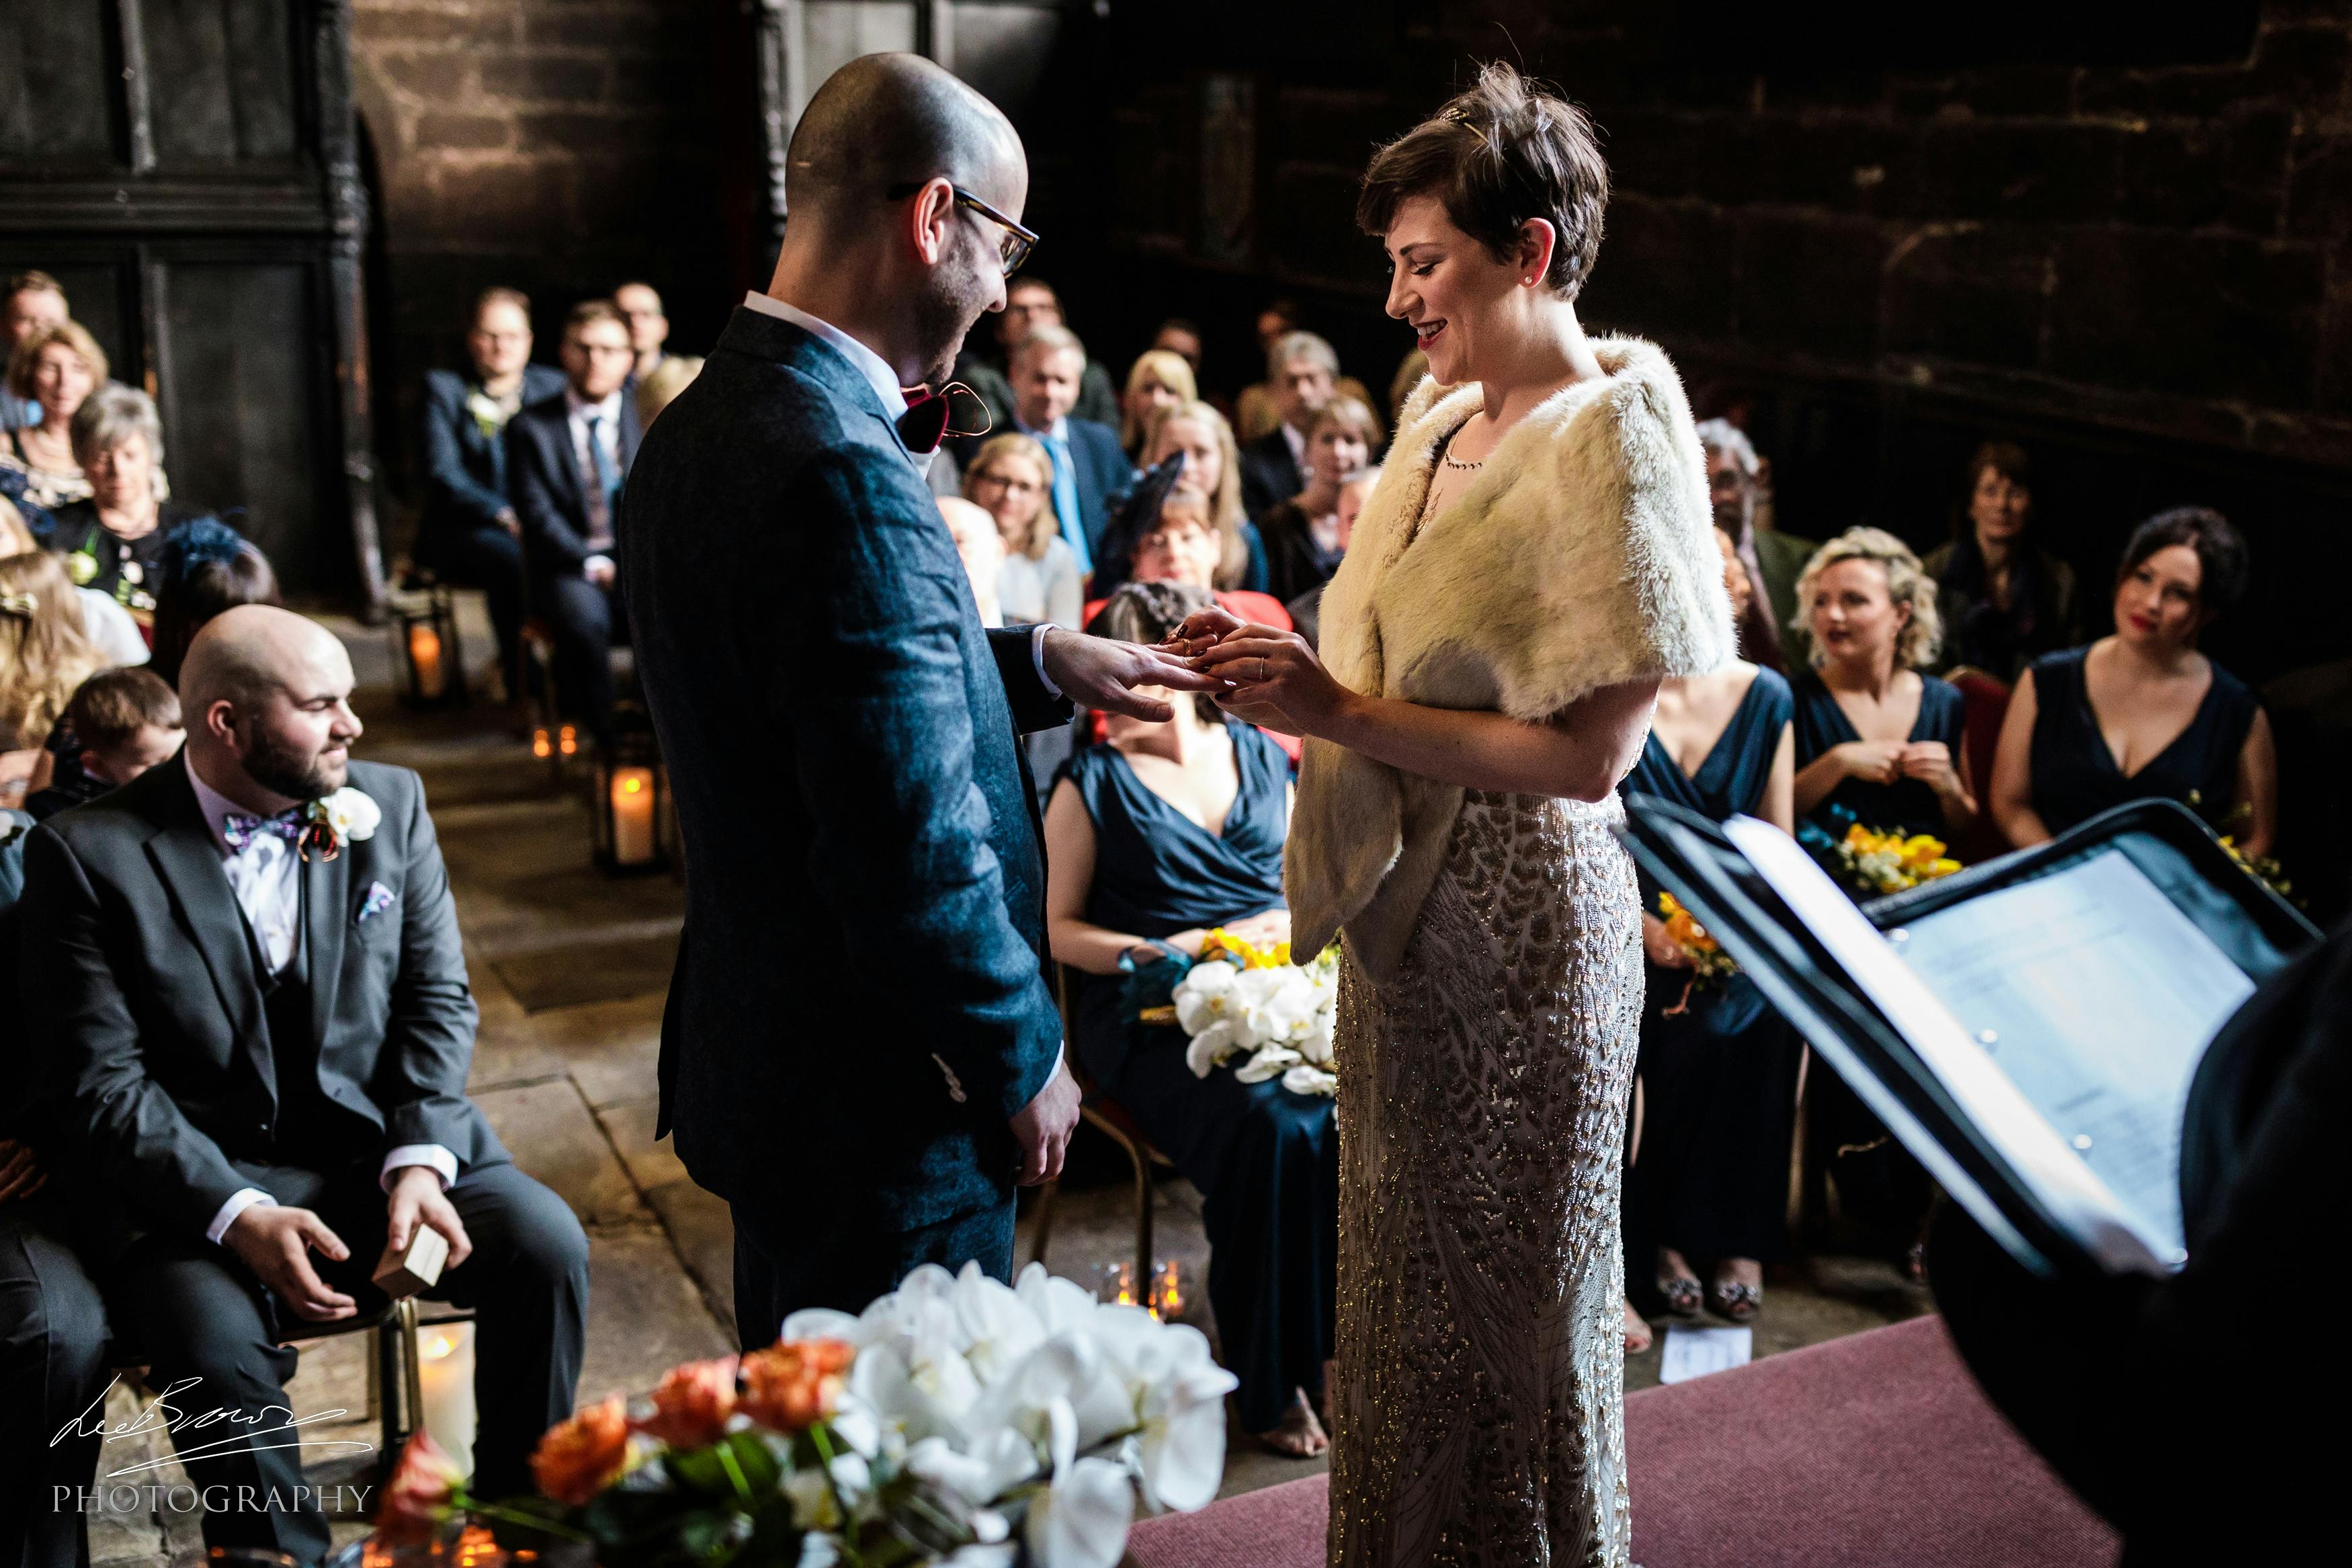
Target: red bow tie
pixel 925 423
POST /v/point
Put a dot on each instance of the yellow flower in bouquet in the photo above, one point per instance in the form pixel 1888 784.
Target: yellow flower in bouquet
pixel 1705 954
pixel 1889 862
pixel 1221 943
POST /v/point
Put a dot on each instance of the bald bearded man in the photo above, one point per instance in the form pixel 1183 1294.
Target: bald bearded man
pixel 861 1052
pixel 243 973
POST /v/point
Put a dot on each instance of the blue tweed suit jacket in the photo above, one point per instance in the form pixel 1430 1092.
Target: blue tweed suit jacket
pixel 860 1002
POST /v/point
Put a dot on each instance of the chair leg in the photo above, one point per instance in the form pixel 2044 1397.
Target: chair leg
pixel 1045 1197
pixel 1142 1223
pixel 392 1428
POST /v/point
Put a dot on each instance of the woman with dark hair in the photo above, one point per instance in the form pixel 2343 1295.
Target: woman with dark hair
pixel 2142 714
pixel 203 568
pixel 1153 839
pixel 2005 600
pixel 1536 557
pixel 1303 537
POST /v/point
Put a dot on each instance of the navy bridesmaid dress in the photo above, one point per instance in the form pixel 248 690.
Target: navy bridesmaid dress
pixel 1908 806
pixel 1266 1160
pixel 1719 1070
pixel 2075 777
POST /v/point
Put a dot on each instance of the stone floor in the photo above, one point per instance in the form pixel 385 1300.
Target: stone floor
pixel 569 965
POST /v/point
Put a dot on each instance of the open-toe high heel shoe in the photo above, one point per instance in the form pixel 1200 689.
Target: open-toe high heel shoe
pixel 1683 1293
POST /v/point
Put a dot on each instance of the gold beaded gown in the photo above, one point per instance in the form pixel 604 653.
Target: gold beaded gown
pixel 1491 989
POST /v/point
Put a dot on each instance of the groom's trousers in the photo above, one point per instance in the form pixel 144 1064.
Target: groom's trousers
pixel 782 1265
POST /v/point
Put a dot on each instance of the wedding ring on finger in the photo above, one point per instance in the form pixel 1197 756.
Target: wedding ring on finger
pixel 1261 672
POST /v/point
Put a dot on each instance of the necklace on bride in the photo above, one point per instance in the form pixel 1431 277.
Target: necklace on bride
pixel 1453 462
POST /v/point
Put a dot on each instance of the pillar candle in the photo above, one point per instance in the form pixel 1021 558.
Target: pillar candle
pixel 425 654
pixel 632 815
pixel 445 1370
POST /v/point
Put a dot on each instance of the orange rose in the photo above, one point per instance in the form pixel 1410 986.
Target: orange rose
pixel 691 1407
pixel 793 1384
pixel 581 1456
pixel 419 1498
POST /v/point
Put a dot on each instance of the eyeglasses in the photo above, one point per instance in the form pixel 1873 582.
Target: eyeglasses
pixel 1018 241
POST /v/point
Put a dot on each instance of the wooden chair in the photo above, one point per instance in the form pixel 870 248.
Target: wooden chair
pixel 1100 1110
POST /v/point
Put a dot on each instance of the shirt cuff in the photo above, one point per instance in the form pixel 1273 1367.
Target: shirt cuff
pixel 240 1200
pixel 1037 657
pixel 593 559
pixel 440 1161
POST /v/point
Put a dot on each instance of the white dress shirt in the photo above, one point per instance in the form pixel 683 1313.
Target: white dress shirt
pixel 267 878
pixel 885 382
pixel 1296 442
pixel 606 416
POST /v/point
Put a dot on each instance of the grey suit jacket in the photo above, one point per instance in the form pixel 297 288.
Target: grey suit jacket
pixel 144 1015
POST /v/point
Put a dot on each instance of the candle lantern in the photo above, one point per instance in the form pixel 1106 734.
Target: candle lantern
pixel 632 821
pixel 445 1378
pixel 426 650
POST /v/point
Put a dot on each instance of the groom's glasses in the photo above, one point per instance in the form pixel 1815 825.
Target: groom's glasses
pixel 1018 241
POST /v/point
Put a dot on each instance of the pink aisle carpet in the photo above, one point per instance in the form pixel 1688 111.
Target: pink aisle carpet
pixel 1864 1452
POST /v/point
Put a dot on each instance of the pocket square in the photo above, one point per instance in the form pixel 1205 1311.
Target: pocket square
pixel 379 899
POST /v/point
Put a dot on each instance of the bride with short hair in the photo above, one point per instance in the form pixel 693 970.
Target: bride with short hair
pixel 1538 556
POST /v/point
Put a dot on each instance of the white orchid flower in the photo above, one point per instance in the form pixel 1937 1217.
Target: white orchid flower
pixel 1180 1452
pixel 1059 1303
pixel 1271 1061
pixel 1200 996
pixel 1306 1079
pixel 1212 1045
pixel 824 1323
pixel 997 1328
pixel 995 1465
pixel 350 814
pixel 1081 1520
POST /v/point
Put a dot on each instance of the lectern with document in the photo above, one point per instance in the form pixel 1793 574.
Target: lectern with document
pixel 2030 1028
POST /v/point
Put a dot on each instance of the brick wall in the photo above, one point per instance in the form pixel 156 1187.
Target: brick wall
pixel 561 146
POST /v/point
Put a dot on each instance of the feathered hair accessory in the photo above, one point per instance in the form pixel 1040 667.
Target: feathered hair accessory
pixel 22 604
pixel 194 543
pixel 13 485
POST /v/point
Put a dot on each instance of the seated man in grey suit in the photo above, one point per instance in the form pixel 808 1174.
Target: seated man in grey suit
pixel 253 1013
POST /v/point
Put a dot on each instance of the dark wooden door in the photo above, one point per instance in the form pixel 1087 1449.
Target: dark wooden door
pixel 186 169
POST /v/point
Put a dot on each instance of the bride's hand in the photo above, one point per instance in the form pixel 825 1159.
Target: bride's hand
pixel 1204 630
pixel 1278 683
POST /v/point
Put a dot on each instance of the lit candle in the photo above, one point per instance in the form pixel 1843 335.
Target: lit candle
pixel 1167 1292
pixel 632 815
pixel 424 656
pixel 445 1372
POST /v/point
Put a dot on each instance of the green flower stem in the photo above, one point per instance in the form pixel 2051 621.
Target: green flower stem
pixel 824 1442
pixel 464 1503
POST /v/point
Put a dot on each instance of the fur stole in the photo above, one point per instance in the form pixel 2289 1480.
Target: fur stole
pixel 1581 557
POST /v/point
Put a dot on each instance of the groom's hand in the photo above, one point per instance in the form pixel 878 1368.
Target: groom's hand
pixel 1043 1128
pixel 1098 673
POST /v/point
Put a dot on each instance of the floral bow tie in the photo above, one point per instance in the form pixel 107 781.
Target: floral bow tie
pixel 240 829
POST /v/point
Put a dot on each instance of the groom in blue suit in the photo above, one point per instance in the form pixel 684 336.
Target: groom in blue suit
pixel 861 1052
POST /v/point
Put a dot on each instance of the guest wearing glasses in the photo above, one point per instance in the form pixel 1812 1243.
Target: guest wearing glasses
pixel 641 307
pixel 1013 477
pixel 567 458
pixel 1029 303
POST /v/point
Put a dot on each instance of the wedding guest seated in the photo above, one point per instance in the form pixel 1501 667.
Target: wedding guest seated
pixel 108 625
pixel 261 1031
pixel 1301 369
pixel 1181 336
pixel 1210 470
pixel 1708 1183
pixel 1772 561
pixel 205 567
pixel 2004 599
pixel 111 538
pixel 1306 611
pixel 468 531
pixel 55 366
pixel 43 657
pixel 1013 477
pixel 567 457
pixel 659 387
pixel 1151 840
pixel 1183 547
pixel 1877 742
pixel 120 724
pixel 2142 714
pixel 1031 303
pixel 1255 413
pixel 33 299
pixel 1088 466
pixel 1157 379
pixel 1302 535
pixel 640 305
pixel 981 549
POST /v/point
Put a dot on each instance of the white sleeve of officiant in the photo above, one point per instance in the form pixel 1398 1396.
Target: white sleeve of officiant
pixel 442 1163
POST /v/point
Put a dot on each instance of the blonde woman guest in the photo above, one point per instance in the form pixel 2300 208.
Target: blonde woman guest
pixel 1877 741
pixel 1494 654
pixel 57 366
pixel 1013 477
pixel 1302 535
pixel 114 540
pixel 1213 472
pixel 2142 714
pixel 1158 379
pixel 107 624
pixel 660 385
pixel 982 550
pixel 43 657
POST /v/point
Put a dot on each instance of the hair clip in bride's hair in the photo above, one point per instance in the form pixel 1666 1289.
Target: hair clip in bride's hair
pixel 22 604
pixel 1461 117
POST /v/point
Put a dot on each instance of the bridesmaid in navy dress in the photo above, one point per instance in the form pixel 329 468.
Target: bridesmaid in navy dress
pixel 1718 1067
pixel 1877 742
pixel 2143 714
pixel 1153 839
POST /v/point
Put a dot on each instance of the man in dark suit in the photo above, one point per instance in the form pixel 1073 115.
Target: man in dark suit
pixel 1089 465
pixel 469 532
pixel 1029 303
pixel 1301 369
pixel 243 980
pixel 861 1052
pixel 567 457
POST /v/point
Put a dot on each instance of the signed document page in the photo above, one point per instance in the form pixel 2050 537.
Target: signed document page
pixel 2096 997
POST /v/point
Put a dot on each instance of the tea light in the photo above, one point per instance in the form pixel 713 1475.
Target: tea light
pixel 1168 1292
pixel 425 657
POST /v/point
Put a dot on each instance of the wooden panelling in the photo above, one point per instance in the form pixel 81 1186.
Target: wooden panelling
pixel 59 83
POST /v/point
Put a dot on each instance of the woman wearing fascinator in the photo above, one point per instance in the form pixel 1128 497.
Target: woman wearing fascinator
pixel 1536 558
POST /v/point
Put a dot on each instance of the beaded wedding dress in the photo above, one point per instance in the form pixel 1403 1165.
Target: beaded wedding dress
pixel 1482 1116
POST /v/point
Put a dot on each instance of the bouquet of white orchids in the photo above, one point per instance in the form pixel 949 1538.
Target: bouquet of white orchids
pixel 1254 1004
pixel 955 1421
